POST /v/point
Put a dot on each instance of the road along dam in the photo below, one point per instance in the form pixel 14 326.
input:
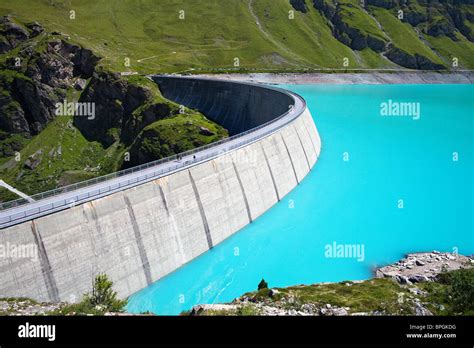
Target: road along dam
pixel 140 224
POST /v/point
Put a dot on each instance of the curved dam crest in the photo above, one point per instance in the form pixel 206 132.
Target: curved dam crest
pixel 140 234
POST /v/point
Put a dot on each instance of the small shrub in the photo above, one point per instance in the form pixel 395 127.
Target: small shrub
pixel 104 296
pixel 102 299
pixel 262 285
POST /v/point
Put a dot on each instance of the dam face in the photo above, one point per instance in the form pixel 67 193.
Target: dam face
pixel 237 107
pixel 139 234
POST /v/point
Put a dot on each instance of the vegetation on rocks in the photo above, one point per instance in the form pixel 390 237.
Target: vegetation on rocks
pixel 102 300
pixel 449 292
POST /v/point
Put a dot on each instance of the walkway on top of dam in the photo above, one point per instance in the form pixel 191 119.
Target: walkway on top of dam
pixel 96 188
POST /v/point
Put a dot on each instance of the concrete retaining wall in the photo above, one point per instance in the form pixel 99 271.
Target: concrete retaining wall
pixel 141 234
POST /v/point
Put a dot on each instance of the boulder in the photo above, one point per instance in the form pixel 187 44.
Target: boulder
pixel 35 29
pixel 417 278
pixel 80 84
pixel 33 161
pixel 206 131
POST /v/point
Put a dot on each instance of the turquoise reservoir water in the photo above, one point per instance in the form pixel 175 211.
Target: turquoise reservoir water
pixel 390 158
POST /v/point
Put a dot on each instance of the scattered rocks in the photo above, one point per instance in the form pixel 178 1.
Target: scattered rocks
pixel 199 309
pixel 423 267
pixel 421 310
pixel 27 307
pixel 333 311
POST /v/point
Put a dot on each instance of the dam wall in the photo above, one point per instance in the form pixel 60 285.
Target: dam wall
pixel 237 107
pixel 142 233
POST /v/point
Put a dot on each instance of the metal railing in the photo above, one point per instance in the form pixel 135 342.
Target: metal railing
pixel 9 219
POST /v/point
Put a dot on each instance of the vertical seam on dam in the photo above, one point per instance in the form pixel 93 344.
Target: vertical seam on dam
pixel 243 192
pixel 271 173
pixel 310 138
pixel 163 199
pixel 138 239
pixel 304 151
pixel 201 210
pixel 291 160
pixel 95 217
pixel 48 276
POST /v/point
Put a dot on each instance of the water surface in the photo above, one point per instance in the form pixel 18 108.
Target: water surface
pixel 370 166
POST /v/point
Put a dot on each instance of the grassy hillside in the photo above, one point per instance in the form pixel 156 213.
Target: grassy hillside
pixel 260 33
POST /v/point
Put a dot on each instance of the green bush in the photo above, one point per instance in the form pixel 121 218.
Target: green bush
pixel 103 295
pixel 102 300
pixel 460 290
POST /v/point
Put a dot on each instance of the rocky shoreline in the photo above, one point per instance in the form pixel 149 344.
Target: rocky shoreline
pixel 407 287
pixel 420 267
pixel 402 288
pixel 369 77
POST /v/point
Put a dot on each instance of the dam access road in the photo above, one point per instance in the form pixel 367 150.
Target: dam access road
pixel 140 224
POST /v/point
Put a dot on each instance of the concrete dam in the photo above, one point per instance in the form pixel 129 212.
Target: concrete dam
pixel 143 223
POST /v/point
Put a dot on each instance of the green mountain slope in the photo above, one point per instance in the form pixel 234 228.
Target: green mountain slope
pixel 261 34
pixel 43 147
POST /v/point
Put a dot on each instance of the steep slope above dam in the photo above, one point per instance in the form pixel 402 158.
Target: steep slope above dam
pixel 141 226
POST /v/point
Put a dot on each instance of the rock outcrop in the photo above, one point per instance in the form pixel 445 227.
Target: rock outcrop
pixel 11 34
pixel 33 82
pixel 407 60
pixel 299 5
pixel 353 37
pixel 116 104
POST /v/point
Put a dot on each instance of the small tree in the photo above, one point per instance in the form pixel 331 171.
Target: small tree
pixel 104 296
pixel 262 285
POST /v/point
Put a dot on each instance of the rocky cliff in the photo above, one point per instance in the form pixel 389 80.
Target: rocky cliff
pixel 37 68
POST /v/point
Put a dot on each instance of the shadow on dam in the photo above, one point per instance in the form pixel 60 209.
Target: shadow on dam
pixel 238 107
